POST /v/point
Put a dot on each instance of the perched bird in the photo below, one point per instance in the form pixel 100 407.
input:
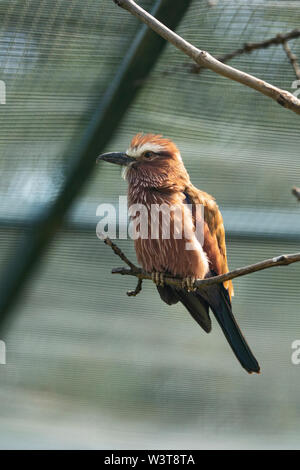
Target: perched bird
pixel 156 175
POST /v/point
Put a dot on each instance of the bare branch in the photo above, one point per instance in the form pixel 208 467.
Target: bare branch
pixel 203 58
pixel 252 46
pixel 292 58
pixel 119 252
pixel 296 192
pixel 282 260
pixel 202 283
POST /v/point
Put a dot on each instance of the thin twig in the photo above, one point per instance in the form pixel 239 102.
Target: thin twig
pixel 292 58
pixel 252 46
pixel 137 290
pixel 296 192
pixel 119 252
pixel 283 97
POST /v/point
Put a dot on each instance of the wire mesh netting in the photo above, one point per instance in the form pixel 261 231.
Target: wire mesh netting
pixel 81 355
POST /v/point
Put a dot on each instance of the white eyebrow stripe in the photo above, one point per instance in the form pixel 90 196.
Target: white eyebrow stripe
pixel 137 152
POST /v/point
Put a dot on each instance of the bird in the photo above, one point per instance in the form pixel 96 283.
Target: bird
pixel 156 176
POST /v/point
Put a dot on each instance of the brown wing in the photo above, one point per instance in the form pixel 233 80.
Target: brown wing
pixel 214 233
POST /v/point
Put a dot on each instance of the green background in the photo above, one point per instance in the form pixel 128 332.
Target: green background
pixel 87 366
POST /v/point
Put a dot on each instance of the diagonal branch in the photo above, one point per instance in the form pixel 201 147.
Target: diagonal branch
pixel 292 58
pixel 203 58
pixel 119 253
pixel 282 260
pixel 253 46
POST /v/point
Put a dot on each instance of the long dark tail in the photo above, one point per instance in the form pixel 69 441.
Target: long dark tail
pixel 219 302
pixel 216 297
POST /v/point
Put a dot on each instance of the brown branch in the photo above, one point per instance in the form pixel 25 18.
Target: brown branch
pixel 252 46
pixel 203 58
pixel 137 290
pixel 282 260
pixel 202 283
pixel 119 252
pixel 292 58
pixel 296 192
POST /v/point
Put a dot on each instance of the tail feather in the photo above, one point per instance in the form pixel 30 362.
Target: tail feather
pixel 198 308
pixel 220 304
pixel 215 297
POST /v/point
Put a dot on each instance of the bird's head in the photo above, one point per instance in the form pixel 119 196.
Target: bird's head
pixel 152 161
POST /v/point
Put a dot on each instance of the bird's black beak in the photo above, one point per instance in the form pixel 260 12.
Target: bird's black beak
pixel 115 157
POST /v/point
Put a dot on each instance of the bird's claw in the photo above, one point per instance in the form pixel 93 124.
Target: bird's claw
pixel 188 283
pixel 158 278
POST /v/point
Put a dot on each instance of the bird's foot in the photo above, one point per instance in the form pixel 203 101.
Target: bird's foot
pixel 158 278
pixel 188 283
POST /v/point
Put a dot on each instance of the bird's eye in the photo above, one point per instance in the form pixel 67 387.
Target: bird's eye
pixel 148 154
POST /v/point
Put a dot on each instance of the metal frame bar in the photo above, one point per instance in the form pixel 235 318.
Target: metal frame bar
pixel 239 223
pixel 130 77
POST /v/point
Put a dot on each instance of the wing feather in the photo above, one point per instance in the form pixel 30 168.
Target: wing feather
pixel 214 232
